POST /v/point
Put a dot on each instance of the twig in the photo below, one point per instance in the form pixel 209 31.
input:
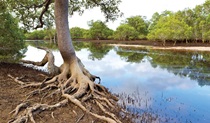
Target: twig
pixel 80 118
pixel 52 115
pixel 16 79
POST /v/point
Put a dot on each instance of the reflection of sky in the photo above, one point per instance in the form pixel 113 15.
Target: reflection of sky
pixel 182 98
pixel 168 94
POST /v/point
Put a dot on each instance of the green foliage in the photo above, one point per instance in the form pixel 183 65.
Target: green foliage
pixel 86 34
pixel 29 11
pixel 170 28
pixel 154 20
pixel 140 24
pixel 186 25
pixel 46 34
pixel 50 33
pixel 36 35
pixel 98 30
pixel 11 36
pixel 125 32
pixel 77 32
pixel 197 19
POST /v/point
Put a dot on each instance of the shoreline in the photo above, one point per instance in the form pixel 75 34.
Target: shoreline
pixel 151 44
pixel 192 48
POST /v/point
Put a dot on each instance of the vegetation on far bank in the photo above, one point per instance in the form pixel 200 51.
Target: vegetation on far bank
pixel 188 25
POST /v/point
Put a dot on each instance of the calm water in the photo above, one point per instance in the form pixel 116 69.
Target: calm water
pixel 171 86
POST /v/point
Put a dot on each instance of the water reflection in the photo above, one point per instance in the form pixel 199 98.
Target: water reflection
pixel 169 86
pixel 97 50
pixel 194 65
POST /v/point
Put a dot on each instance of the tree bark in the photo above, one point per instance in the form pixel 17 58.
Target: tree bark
pixel 63 33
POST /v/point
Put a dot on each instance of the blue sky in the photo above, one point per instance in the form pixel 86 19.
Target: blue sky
pixel 132 8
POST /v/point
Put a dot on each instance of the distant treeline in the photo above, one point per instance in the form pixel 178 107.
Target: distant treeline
pixel 188 25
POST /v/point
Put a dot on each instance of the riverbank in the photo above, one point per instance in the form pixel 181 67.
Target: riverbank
pixel 189 48
pixel 148 43
pixel 199 46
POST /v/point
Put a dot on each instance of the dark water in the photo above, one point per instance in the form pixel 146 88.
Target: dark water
pixel 170 86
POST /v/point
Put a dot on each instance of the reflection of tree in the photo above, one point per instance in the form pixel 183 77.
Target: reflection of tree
pixel 168 59
pixel 40 43
pixel 194 65
pixel 98 50
pixel 131 54
pixel 80 45
pixel 184 64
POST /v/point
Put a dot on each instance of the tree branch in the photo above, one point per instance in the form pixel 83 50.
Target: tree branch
pixel 46 6
pixel 34 5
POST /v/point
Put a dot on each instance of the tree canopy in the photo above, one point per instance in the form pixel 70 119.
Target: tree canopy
pixel 77 32
pixel 125 32
pixel 140 24
pixel 35 14
pixel 98 30
pixel 170 28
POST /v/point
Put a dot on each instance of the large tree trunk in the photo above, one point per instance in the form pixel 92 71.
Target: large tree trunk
pixel 65 42
pixel 64 39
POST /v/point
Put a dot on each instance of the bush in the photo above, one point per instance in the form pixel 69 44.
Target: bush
pixel 11 37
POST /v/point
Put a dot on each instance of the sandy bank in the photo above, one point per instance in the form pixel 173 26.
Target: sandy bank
pixel 192 48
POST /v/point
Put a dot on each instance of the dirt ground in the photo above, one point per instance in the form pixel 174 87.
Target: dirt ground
pixel 11 94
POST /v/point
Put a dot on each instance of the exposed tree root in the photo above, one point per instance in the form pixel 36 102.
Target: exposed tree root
pixel 48 58
pixel 30 110
pixel 74 84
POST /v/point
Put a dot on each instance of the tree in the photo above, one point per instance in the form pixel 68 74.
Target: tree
pixel 98 30
pixel 72 81
pixel 198 26
pixel 125 32
pixel 36 35
pixel 140 24
pixel 77 32
pixel 11 36
pixel 154 20
pixel 170 28
pixel 50 33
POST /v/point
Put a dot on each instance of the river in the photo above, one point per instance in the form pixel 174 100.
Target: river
pixel 173 86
